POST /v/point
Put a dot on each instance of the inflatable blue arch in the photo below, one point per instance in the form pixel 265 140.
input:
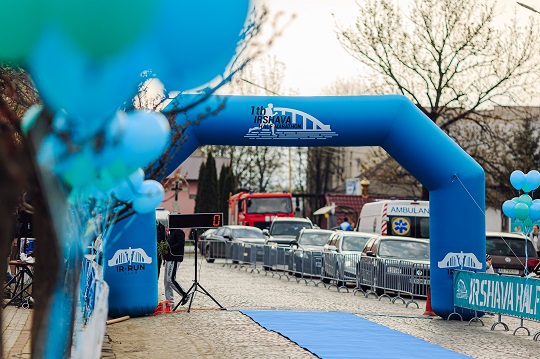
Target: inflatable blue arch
pixel 455 181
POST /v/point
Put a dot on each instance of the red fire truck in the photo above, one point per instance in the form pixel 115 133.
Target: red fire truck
pixel 258 209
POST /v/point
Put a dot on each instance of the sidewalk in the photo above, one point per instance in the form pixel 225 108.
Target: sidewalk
pixel 16 327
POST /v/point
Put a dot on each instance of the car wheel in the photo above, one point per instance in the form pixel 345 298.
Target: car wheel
pixel 208 256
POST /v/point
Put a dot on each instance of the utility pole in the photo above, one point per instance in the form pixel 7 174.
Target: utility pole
pixel 290 170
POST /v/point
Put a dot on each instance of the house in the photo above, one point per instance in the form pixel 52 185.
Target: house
pixel 181 185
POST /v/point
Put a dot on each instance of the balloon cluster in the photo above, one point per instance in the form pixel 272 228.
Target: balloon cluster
pixel 108 163
pixel 87 59
pixel 523 208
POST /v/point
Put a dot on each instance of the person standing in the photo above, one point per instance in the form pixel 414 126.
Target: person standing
pixel 489 265
pixel 161 235
pixel 173 256
pixel 345 225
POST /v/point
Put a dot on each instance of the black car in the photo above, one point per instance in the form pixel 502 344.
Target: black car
pixel 203 236
pixel 307 251
pixel 227 241
pixel 396 263
pixel 279 238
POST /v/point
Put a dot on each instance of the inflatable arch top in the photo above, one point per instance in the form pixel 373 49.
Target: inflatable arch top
pixel 455 181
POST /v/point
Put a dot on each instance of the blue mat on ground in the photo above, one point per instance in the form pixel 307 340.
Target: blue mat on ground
pixel 345 335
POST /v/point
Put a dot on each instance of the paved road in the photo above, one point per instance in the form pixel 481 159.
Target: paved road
pixel 207 332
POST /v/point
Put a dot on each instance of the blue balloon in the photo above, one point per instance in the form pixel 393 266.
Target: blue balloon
pixel 526 199
pixel 88 90
pixel 508 209
pixel 532 178
pixel 525 187
pixel 198 39
pixel 522 211
pixel 51 150
pixel 534 211
pixel 517 178
pixel 145 138
pixel 127 188
pixel 149 196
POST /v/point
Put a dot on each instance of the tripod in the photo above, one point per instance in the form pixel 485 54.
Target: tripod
pixel 196 286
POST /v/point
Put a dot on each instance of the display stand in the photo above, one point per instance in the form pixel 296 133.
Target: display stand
pixel 23 280
pixel 196 286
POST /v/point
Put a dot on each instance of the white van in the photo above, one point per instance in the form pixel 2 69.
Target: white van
pixel 404 218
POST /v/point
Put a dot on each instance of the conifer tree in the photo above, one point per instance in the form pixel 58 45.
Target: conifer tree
pixel 226 188
pixel 199 187
pixel 208 188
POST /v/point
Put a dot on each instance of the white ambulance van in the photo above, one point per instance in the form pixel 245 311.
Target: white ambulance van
pixel 405 218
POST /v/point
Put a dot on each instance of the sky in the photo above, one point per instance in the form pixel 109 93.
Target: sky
pixel 309 47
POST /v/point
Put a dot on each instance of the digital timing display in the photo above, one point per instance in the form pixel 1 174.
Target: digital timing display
pixel 197 220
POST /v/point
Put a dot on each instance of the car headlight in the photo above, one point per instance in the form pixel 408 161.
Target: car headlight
pixel 273 244
pixel 393 270
pixel 299 254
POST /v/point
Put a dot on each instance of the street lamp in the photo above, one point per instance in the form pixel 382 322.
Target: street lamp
pixel 528 7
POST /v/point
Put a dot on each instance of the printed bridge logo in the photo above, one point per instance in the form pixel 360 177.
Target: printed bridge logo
pixel 286 124
pixel 463 261
pixel 129 260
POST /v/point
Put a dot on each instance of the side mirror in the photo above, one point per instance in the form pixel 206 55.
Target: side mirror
pixel 265 232
pixel 227 236
pixel 370 254
pixel 332 248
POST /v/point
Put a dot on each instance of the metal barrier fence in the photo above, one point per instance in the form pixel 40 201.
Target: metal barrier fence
pixel 393 279
pixel 306 265
pixel 339 269
pixel 512 296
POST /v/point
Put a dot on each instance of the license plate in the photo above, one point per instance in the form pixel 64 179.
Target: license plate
pixel 508 271
pixel 420 281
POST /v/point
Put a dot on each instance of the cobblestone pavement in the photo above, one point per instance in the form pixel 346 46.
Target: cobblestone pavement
pixel 16 327
pixel 207 332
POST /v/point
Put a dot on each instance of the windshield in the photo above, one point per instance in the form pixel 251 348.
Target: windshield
pixel 247 233
pixel 288 228
pixel 354 243
pixel 497 246
pixel 404 250
pixel 314 239
pixel 269 205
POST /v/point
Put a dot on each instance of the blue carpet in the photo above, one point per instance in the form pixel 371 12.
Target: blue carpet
pixel 345 335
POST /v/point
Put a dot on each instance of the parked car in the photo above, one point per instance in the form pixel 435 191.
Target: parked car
pixel 283 230
pixel 307 251
pixel 280 236
pixel 341 254
pixel 203 236
pixel 507 251
pixel 218 244
pixel 396 263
